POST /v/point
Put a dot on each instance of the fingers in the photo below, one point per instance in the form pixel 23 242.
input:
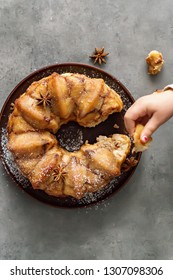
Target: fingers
pixel 136 111
pixel 129 124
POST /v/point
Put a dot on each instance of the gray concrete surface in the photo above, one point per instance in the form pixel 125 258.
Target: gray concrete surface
pixel 137 223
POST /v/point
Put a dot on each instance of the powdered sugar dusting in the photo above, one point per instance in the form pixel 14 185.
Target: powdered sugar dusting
pixel 70 139
pixel 102 193
pixel 9 161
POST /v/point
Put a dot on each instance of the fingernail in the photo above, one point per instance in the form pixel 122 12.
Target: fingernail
pixel 144 139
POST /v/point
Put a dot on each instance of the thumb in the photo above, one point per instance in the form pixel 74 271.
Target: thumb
pixel 150 127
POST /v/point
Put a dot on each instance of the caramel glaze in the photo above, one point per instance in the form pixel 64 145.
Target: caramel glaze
pixel 31 139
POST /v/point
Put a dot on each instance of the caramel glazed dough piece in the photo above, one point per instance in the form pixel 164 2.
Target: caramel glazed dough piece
pixel 37 116
pixel 155 62
pixel 138 145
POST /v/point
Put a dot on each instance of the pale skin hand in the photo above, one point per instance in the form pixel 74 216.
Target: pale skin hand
pixel 152 111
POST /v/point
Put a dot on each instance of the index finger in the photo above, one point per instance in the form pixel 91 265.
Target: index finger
pixel 135 112
pixel 129 123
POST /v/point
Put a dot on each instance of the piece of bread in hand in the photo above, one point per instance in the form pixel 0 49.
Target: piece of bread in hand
pixel 139 146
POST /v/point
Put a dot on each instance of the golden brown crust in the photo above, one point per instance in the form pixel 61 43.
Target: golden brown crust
pixel 155 62
pixel 41 110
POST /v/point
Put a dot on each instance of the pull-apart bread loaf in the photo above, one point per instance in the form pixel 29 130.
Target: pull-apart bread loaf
pixel 36 118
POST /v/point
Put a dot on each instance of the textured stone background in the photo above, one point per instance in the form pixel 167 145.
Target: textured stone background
pixel 137 223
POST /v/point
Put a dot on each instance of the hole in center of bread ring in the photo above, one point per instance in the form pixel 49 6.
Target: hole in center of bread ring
pixel 72 136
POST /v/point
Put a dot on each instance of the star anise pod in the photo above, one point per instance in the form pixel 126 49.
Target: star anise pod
pixel 59 173
pixel 99 55
pixel 44 100
pixel 128 164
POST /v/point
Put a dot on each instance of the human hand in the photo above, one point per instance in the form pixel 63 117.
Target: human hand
pixel 152 111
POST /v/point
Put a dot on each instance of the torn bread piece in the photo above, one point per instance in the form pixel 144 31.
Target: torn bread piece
pixel 139 146
pixel 155 62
